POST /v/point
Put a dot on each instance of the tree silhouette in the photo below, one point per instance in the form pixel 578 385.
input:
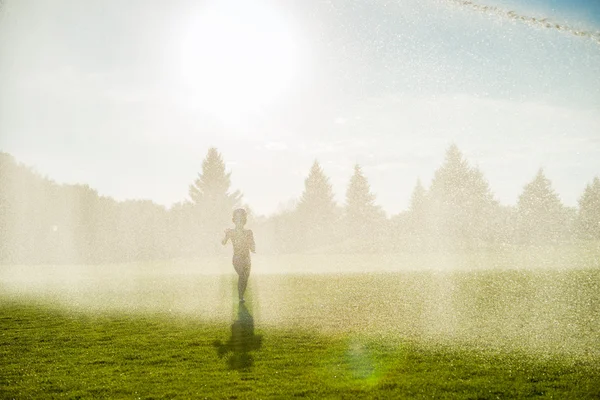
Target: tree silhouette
pixel 212 200
pixel 44 222
pixel 588 217
pixel 361 214
pixel 461 202
pixel 486 217
pixel 540 213
pixel 317 201
pixel 418 210
pixel 316 211
pixel 211 188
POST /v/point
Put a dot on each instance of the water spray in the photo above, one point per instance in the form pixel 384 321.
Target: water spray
pixel 531 21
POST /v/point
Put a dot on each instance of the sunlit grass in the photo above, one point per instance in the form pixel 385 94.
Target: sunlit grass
pixel 49 353
pixel 521 327
pixel 550 309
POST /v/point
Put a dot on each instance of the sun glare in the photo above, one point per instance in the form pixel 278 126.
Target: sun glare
pixel 238 58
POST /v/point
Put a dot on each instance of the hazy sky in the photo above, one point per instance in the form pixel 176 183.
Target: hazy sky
pixel 127 96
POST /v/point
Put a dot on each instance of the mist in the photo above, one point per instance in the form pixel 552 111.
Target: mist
pixel 409 171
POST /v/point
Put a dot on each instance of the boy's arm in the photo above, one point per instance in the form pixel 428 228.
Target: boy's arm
pixel 251 244
pixel 226 238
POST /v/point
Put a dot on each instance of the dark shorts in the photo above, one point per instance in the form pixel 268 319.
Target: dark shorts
pixel 241 265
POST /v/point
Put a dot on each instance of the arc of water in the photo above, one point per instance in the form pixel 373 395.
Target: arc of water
pixel 532 21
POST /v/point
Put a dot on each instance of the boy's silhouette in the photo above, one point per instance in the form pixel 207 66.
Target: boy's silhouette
pixel 243 242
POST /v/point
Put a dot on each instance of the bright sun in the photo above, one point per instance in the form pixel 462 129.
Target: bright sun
pixel 238 57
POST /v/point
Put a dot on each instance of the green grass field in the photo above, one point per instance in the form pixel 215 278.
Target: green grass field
pixel 49 353
pixel 171 330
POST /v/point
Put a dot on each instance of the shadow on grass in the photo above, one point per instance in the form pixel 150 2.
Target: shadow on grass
pixel 241 343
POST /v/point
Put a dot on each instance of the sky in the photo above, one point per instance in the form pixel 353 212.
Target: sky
pixel 127 97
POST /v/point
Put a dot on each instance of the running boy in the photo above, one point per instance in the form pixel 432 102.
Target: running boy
pixel 243 242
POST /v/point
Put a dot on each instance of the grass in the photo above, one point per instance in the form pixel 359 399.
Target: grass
pixel 52 353
pixel 513 324
pixel 537 310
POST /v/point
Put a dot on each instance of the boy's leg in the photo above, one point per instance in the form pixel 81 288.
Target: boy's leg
pixel 243 270
pixel 242 282
pixel 244 274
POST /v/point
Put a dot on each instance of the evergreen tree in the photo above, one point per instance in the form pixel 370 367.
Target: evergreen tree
pixel 316 211
pixel 211 188
pixel 540 213
pixel 418 210
pixel 486 216
pixel 588 217
pixel 212 201
pixel 461 203
pixel 317 201
pixel 362 215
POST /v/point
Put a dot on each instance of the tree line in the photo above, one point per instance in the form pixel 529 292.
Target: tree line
pixel 44 222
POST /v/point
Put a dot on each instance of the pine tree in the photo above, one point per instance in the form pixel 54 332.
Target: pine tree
pixel 460 200
pixel 317 198
pixel 588 217
pixel 418 210
pixel 212 185
pixel 212 201
pixel 540 213
pixel 485 222
pixel 316 211
pixel 449 180
pixel 361 214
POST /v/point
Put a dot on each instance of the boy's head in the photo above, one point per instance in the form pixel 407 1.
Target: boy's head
pixel 239 217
